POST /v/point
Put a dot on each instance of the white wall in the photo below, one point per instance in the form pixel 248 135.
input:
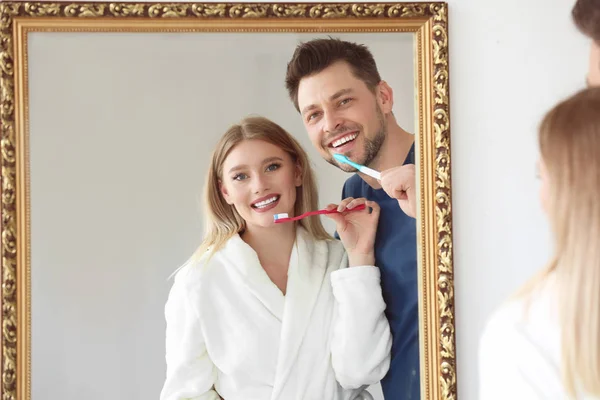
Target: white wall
pixel 509 62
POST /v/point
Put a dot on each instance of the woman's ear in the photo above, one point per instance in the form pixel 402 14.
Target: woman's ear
pixel 224 192
pixel 298 175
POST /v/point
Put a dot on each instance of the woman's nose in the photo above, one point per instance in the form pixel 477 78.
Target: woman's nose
pixel 261 184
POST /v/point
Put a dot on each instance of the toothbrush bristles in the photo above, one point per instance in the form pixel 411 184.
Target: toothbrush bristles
pixel 280 216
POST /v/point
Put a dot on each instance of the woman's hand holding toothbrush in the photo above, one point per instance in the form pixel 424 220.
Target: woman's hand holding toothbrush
pixel 357 229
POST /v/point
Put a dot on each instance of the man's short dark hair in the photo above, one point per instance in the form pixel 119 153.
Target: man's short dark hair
pixel 586 15
pixel 314 56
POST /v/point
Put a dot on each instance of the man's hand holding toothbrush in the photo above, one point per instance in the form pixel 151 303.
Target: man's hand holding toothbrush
pixel 400 183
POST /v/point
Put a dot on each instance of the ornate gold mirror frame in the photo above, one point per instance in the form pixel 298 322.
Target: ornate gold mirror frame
pixel 428 22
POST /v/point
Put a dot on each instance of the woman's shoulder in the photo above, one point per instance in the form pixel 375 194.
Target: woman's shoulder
pixel 535 306
pixel 335 246
pixel 524 326
pixel 520 347
pixel 331 248
pixel 196 269
pixel 531 313
pixel 505 318
pixel 336 251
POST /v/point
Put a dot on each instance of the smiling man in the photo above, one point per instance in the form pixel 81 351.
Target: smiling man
pixel 346 108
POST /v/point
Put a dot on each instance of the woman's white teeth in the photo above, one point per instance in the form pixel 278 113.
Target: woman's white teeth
pixel 343 140
pixel 265 203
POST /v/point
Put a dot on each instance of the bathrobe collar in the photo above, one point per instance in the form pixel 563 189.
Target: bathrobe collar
pixel 307 270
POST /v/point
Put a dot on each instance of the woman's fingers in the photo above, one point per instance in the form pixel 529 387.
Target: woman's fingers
pixel 331 206
pixel 344 203
pixel 375 209
pixel 356 202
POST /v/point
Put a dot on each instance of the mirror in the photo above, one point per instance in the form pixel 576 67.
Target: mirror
pixel 108 125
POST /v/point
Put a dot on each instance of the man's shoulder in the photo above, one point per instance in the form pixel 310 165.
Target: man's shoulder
pixel 353 185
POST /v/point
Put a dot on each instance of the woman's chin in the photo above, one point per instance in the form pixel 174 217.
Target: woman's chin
pixel 262 223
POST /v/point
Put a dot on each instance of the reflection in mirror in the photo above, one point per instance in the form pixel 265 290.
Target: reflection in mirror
pixel 122 127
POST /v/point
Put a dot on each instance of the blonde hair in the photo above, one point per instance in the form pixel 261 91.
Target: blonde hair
pixel 222 219
pixel 569 140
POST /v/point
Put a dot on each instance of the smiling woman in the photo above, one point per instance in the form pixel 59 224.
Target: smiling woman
pixel 267 181
pixel 91 235
pixel 253 162
pixel 331 327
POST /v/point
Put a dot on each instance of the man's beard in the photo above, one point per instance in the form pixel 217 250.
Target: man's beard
pixel 371 146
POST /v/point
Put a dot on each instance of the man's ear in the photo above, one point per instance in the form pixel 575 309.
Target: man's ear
pixel 224 192
pixel 385 95
pixel 298 174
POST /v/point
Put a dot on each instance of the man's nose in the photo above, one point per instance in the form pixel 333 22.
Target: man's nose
pixel 332 122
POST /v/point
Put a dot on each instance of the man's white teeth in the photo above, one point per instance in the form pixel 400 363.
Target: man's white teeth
pixel 265 203
pixel 345 139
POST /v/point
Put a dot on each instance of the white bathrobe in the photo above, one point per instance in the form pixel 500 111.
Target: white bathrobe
pixel 231 332
pixel 520 350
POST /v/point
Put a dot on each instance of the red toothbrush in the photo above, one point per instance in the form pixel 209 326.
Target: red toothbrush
pixel 284 217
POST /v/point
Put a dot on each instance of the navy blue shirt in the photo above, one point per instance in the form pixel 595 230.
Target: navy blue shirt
pixel 396 257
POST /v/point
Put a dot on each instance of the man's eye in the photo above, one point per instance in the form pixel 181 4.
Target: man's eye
pixel 312 116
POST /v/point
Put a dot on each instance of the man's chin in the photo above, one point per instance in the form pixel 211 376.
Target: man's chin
pixel 344 167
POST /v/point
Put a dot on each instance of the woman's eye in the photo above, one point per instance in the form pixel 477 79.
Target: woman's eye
pixel 345 101
pixel 240 177
pixel 273 167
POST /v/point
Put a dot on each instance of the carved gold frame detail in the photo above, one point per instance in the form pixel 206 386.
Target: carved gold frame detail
pixel 429 23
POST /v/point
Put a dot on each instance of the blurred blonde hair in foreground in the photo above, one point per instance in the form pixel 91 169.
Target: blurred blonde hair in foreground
pixel 569 141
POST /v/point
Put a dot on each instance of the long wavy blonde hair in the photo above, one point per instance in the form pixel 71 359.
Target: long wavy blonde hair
pixel 222 219
pixel 569 140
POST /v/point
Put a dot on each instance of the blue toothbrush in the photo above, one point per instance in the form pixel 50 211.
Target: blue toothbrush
pixel 365 170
